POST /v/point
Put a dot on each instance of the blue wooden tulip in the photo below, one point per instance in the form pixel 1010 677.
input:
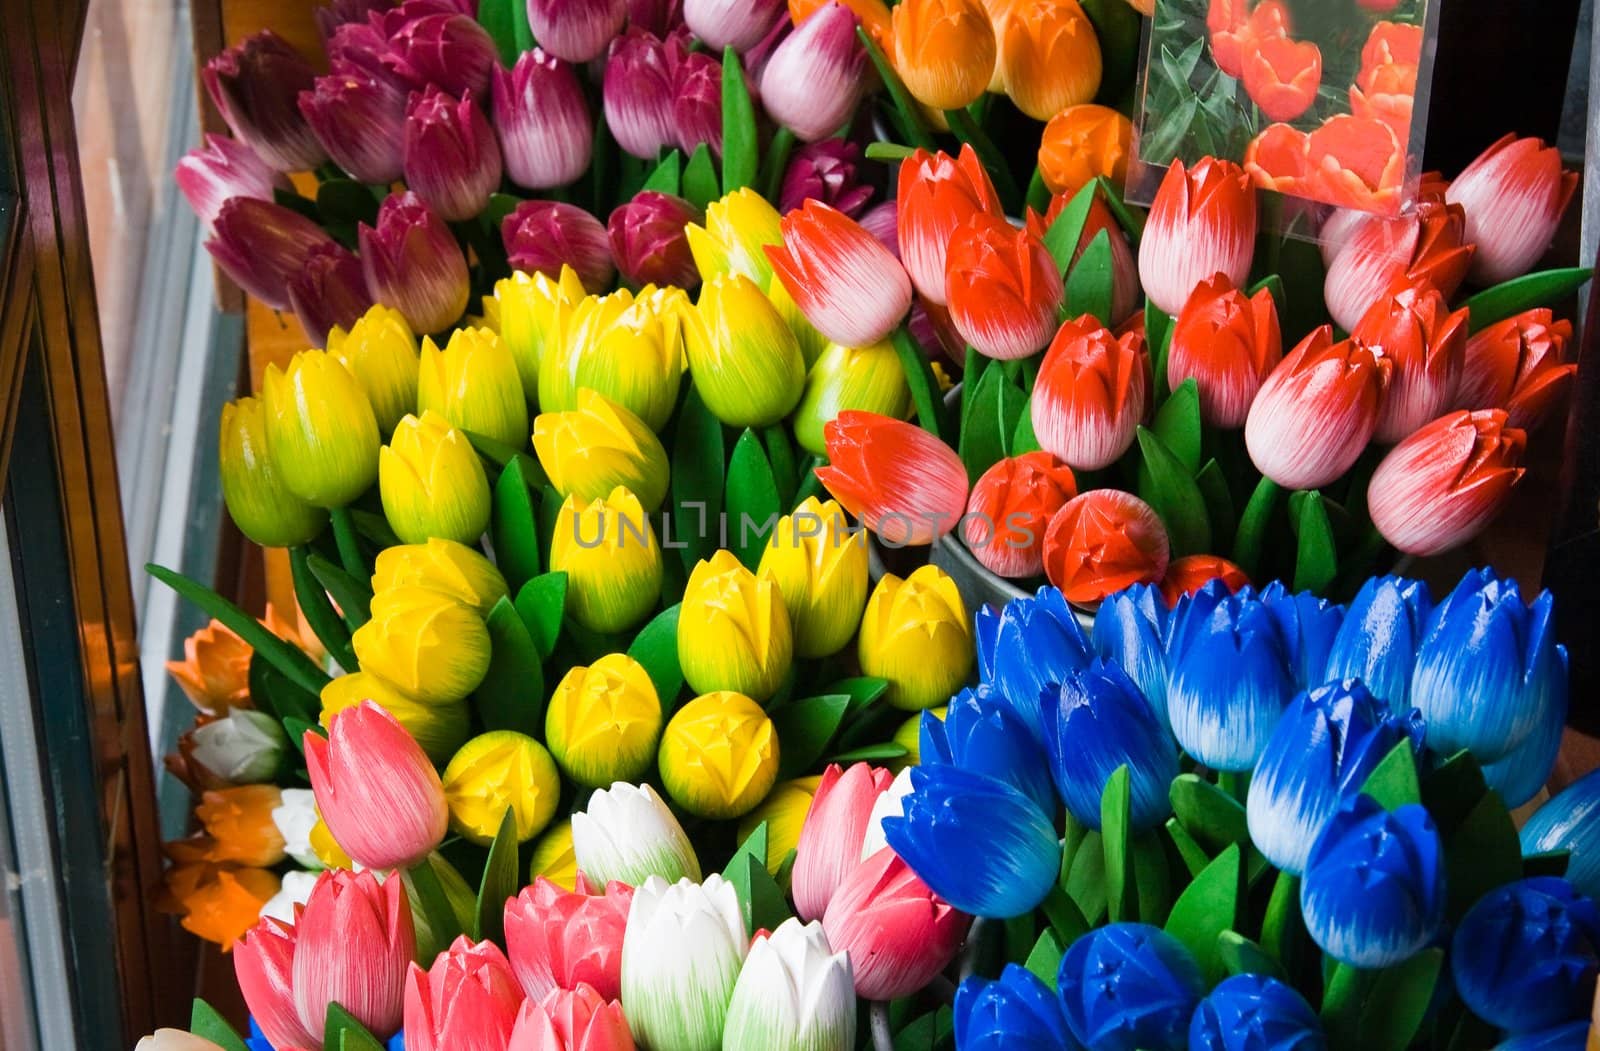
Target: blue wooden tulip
pixel 1570 821
pixel 1251 1012
pixel 1016 1012
pixel 1308 625
pixel 1574 1036
pixel 1521 773
pixel 1193 610
pixel 1030 644
pixel 1524 958
pixel 981 734
pixel 1373 893
pixel 1489 670
pixel 1377 642
pixel 1128 986
pixel 1100 721
pixel 1130 628
pixel 1321 753
pixel 979 843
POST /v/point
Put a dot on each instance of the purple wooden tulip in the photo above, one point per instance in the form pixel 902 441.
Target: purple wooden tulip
pixel 648 240
pixel 221 169
pixel 256 85
pixel 451 158
pixel 546 133
pixel 739 24
pixel 261 245
pixel 576 30
pixel 360 121
pixel 414 264
pixel 883 222
pixel 814 79
pixel 361 47
pixel 541 235
pixel 697 103
pixel 431 46
pixel 330 289
pixel 656 16
pixel 640 79
pixel 825 171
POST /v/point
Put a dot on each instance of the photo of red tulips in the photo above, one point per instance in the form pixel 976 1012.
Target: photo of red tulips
pixel 1314 98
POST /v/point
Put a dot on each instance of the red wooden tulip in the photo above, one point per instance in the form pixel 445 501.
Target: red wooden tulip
pixel 263 965
pixel 1441 486
pixel 1412 326
pixel 843 279
pixel 1514 196
pixel 832 835
pixel 1003 288
pixel 557 938
pixel 1516 365
pixel 1428 243
pixel 902 482
pixel 1229 343
pixel 1011 507
pixel 1203 222
pixel 1187 575
pixel 468 998
pixel 1092 391
pixel 1103 541
pixel 937 194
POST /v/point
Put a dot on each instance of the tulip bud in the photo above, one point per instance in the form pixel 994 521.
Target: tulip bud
pixel 496 772
pixel 1203 222
pixel 1229 343
pixel 733 631
pixel 1377 642
pixel 451 158
pixel 916 634
pixel 243 747
pixel 820 569
pixel 1081 143
pixel 737 231
pixel 425 643
pixel 1102 541
pixel 559 939
pixel 439 728
pixel 576 31
pixel 608 551
pixel 473 383
pixel 329 291
pixel 380 351
pixel 681 958
pixel 784 814
pixel 1003 288
pixel 1543 919
pixel 263 965
pixel 1015 1010
pixel 222 169
pixel 844 280
pixel 1032 643
pixel 542 237
pixel 597 447
pixel 1049 57
pixel 650 242
pixel 360 121
pixel 1189 574
pixel 354 944
pixel 253 486
pixel 261 245
pixel 546 133
pixel 255 85
pixel 414 264
pixel 441 46
pixel 816 76
pixel 905 485
pixel 1567 822
pixel 360 47
pixel 1245 1005
pixel 745 361
pixel 830 843
pixel 1444 484
pixel 937 195
pixel 1412 326
pixel 1514 196
pixel 1316 411
pixel 719 755
pixel 1092 392
pixel 843 379
pixel 826 171
pixel 432 482
pixel 640 84
pixel 897 932
pixel 1428 243
pixel 603 722
pixel 468 998
pixel 630 350
pixel 441 565
pixel 532 311
pixel 1096 722
pixel 697 103
pixel 1010 509
pixel 739 24
pixel 812 343
pixel 553 858
pixel 578 1019
pixel 1515 365
pixel 1129 985
pixel 1131 629
pixel 627 834
pixel 321 433
pixel 944 50
pixel 793 994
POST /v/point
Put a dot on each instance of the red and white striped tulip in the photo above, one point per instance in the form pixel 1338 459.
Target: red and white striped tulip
pixel 1011 507
pixel 1092 392
pixel 1441 486
pixel 354 946
pixel 1514 196
pixel 468 998
pixel 843 279
pixel 1516 365
pixel 263 965
pixel 1229 343
pixel 1317 411
pixel 1411 325
pixel 1430 243
pixel 831 837
pixel 559 939
pixel 1003 288
pixel 937 194
pixel 903 483
pixel 898 932
pixel 1202 222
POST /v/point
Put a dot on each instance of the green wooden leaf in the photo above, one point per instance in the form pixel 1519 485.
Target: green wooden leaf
pixel 1544 289
pixel 277 694
pixel 920 378
pixel 1206 908
pixel 499 882
pixel 1115 802
pixel 1061 240
pixel 1025 440
pixel 906 111
pixel 1254 526
pixel 1152 878
pixel 1549 863
pixel 207 1023
pixel 297 728
pixel 656 647
pixel 1316 554
pixel 326 624
pixel 754 845
pixel 879 752
pixel 1219 501
pixel 989 419
pixel 1089 285
pixel 700 184
pixel 1240 955
pixel 342 1031
pixel 514 526
pixel 1195 859
pixel 739 148
pixel 1282 925
pixel 1212 817
pixel 1038 194
pixel 1178 425
pixel 781 457
pixel 1064 916
pixel 511 696
pixel 442 903
pixel 345 202
pixel 1045 959
pixel 698 459
pixel 753 503
pixel 549 519
pixel 1394 1008
pixel 667 176
pixel 498 17
pixel 541 603
pixel 1130 219
pixel 1482 854
pixel 350 1040
pixel 353 595
pixel 1088 884
pixel 1175 496
pixel 1393 783
pixel 804 730
pixel 374 527
pixel 1450 791
pixel 862 690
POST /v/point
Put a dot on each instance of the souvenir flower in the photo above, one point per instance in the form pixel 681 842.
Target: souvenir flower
pixel 1229 343
pixel 381 353
pixel 468 998
pixel 639 87
pixel 735 235
pixel 558 939
pixel 1011 507
pixel 733 631
pixel 650 240
pixel 1377 642
pixel 681 957
pixel 321 433
pixel 937 195
pixel 627 835
pixel 597 446
pixel 1129 985
pixel 1412 326
pixel 1203 222
pixel 1093 390
pixel 1307 625
pixel 473 384
pixel 828 171
pixel 1130 630
pixel 329 291
pixel 719 755
pixel 1081 143
pixel 1429 243
pixel 576 31
pixel 1253 1010
pixel 784 814
pixel 1025 647
pixel 438 44
pixel 820 569
pixel 608 550
pixel 1523 957
pixel 1049 56
pixel 629 349
pixel 1514 195
pixel 1003 288
pixel 728 23
pixel 545 236
pixel 980 732
pixel 451 158
pixel 530 313
pixel 256 86
pixel 603 721
pixel 542 121
pixel 1097 721
pixel 697 103
pixel 745 361
pixel 441 565
pixel 257 498
pixel 1190 573
pixel 579 1019
pixel 793 994
pixel 359 118
pixel 944 50
pixel 263 965
pixel 432 482
pixel 916 634
pixel 1014 1012
pixel 1101 542
pixel 353 945
pixel 897 932
pixel 439 728
pixel 220 170
pixel 1441 486
pixel 902 483
pixel 414 264
pixel 553 856
pixel 815 77
pixel 243 747
pixel 849 379
pixel 1516 365
pixel 1567 821
pixel 425 643
pixel 831 839
pixel 845 282
pixel 261 245
pixel 497 773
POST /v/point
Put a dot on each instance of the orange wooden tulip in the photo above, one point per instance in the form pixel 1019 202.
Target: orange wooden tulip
pixel 1357 162
pixel 1229 343
pixel 1049 56
pixel 846 283
pixel 903 483
pixel 1428 243
pixel 1412 326
pixel 217 903
pixel 1011 507
pixel 873 14
pixel 1093 390
pixel 1103 541
pixel 1441 486
pixel 1516 365
pixel 1282 76
pixel 1202 222
pixel 938 193
pixel 1187 575
pixel 214 673
pixel 1081 143
pixel 1225 22
pixel 1280 159
pixel 1003 288
pixel 944 50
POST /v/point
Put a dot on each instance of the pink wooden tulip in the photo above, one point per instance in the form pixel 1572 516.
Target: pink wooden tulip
pixel 899 934
pixel 452 160
pixel 830 839
pixel 263 965
pixel 468 999
pixel 221 169
pixel 842 278
pixel 1202 222
pixel 1514 195
pixel 559 939
pixel 576 1020
pixel 1441 486
pixel 355 945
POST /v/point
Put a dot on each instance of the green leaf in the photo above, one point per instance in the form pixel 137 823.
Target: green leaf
pixel 1130 219
pixel 1175 496
pixel 297 728
pixel 514 525
pixel 1177 424
pixel 499 881
pixel 739 152
pixel 753 504
pixel 1064 916
pixel 1152 878
pixel 343 1032
pixel 1254 525
pixel 1214 818
pixel 1061 240
pixel 1045 959
pixel 207 1023
pixel 907 111
pixel 760 897
pixel 1025 440
pixel 442 903
pixel 1195 859
pixel 700 185
pixel 1482 854
pixel 991 411
pixel 1206 908
pixel 862 690
pixel 1393 783
pixel 781 456
pixel 1038 194
pixel 879 752
pixel 1240 955
pixel 511 696
pixel 498 17
pixel 353 596
pixel 1158 337
pixel 1219 501
pixel 1089 285
pixel 541 603
pixel 1451 790
pixel 1087 882
pixel 668 175
pixel 1115 802
pixel 1395 1007
pixel 1546 288
pixel 374 527
pixel 325 622
pixel 920 378
pixel 277 694
pixel 1549 863
pixel 345 202
pixel 1282 924
pixel 698 456
pixel 1316 555
pixel 804 730
pixel 656 647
